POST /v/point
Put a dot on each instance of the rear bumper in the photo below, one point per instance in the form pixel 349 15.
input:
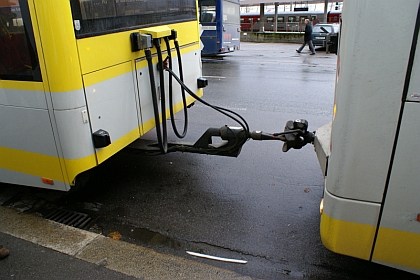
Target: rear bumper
pixel 322 146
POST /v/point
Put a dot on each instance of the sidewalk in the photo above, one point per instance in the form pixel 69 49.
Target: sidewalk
pixel 42 249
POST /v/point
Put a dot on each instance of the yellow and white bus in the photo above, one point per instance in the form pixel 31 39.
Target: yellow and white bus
pixel 370 154
pixel 75 83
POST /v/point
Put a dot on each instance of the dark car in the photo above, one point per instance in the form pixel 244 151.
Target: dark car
pixel 320 32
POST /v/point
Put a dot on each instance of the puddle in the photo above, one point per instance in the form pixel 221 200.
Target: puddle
pixel 146 238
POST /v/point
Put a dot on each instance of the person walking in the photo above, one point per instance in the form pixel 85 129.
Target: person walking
pixel 307 38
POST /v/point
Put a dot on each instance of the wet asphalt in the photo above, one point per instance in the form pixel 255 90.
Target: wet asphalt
pixel 262 207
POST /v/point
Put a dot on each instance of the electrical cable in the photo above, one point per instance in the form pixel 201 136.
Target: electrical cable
pixel 171 101
pixel 162 131
pixel 164 136
pixel 221 110
pixel 242 122
pixel 148 54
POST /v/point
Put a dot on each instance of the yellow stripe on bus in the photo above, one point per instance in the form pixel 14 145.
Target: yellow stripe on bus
pixel 76 166
pixel 107 74
pixel 150 124
pixel 114 71
pixel 347 238
pixel 31 163
pixel 405 249
pixel 117 145
pixel 41 165
pixel 100 52
pixel 22 85
pixel 60 55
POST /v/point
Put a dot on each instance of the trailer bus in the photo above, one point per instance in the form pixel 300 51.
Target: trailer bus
pixel 370 153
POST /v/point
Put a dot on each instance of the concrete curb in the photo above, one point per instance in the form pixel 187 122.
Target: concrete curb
pixel 119 256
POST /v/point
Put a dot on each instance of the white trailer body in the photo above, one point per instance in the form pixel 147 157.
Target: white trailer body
pixel 370 153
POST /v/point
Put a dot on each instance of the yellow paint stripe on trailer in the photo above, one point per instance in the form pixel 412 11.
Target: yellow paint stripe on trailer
pixel 405 249
pixel 347 238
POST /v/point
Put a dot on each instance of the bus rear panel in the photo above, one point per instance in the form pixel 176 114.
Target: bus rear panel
pixel 69 76
pixel 220 24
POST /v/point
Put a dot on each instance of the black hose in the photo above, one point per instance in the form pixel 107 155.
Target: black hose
pixel 164 148
pixel 239 142
pixel 162 134
pixel 221 110
pixel 184 100
pixel 161 142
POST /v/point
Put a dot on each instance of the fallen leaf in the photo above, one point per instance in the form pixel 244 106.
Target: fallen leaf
pixel 114 235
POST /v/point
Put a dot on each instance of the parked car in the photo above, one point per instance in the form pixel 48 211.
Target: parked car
pixel 320 32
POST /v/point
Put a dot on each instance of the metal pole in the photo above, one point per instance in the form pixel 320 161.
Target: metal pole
pixel 262 17
pixel 325 11
pixel 276 11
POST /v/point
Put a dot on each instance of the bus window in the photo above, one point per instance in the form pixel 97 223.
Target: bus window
pixel 280 19
pixel 207 11
pixel 96 17
pixel 231 12
pixel 18 56
pixel 208 17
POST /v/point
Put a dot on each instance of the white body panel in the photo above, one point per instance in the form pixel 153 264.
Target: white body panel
pixel 23 98
pixel 112 104
pixel 369 88
pixel 143 78
pixel 23 127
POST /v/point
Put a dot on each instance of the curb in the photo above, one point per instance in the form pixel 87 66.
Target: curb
pixel 116 255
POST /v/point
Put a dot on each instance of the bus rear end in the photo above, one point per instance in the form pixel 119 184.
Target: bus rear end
pixel 370 153
pixel 75 83
pixel 220 24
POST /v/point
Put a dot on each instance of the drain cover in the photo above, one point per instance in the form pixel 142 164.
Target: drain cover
pixel 70 218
